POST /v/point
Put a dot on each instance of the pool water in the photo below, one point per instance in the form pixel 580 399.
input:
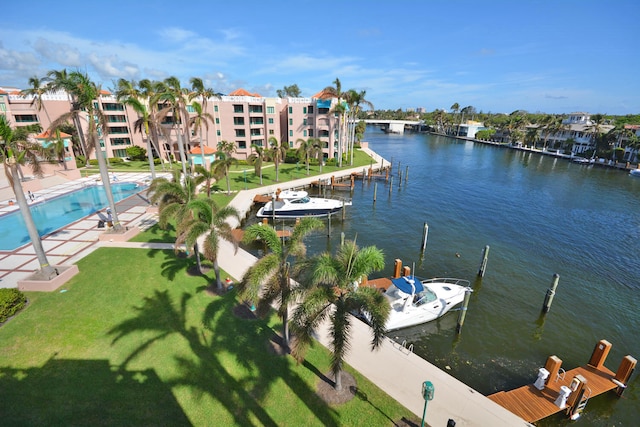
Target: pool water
pixel 56 213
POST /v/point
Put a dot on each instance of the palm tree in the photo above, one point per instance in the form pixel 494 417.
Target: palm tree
pixel 199 90
pixel 37 89
pixel 305 151
pixel 58 147
pixel 206 176
pixel 224 161
pixel 551 125
pixel 277 152
pixel 14 153
pixel 256 159
pixel 455 108
pixel 143 125
pixel 199 121
pixel 268 280
pixel 59 80
pixel 211 222
pixel 318 150
pixel 531 136
pixel 356 99
pixel 149 92
pixel 595 128
pixel 175 96
pixel 339 110
pixel 332 294
pixel 173 199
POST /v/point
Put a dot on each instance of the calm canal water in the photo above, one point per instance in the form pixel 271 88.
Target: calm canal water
pixel 539 215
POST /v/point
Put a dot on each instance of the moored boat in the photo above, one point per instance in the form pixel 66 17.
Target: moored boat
pixel 297 203
pixel 635 172
pixel 414 301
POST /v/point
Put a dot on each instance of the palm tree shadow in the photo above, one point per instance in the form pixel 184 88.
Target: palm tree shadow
pixel 204 373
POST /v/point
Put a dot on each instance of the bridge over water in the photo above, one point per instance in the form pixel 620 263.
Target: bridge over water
pixel 394 126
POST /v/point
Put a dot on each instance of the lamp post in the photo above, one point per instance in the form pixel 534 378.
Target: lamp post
pixel 427 393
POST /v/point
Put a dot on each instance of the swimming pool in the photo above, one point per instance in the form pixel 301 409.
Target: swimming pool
pixel 60 211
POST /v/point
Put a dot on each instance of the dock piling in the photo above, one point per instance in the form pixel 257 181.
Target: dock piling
pixel 425 235
pixel 463 311
pixel 391 185
pixel 375 191
pixel 483 263
pixel 548 298
pixel 406 174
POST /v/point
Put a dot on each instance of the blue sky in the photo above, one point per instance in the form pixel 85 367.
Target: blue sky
pixel 498 56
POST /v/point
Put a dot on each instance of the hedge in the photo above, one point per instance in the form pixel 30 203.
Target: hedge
pixel 11 301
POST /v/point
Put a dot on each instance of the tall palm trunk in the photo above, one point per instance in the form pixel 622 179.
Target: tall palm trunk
pixel 47 271
pixel 104 175
pixel 181 150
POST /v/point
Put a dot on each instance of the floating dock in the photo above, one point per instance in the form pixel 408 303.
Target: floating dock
pixel 556 390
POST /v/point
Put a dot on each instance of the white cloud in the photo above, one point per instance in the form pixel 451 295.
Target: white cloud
pixel 62 53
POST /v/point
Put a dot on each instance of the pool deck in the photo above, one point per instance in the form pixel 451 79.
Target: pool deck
pixel 76 240
pixel 397 371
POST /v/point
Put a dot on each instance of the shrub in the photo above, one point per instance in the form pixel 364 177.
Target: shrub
pixel 137 153
pixel 80 161
pixel 330 162
pixel 115 160
pixel 157 161
pixel 11 301
pixel 93 162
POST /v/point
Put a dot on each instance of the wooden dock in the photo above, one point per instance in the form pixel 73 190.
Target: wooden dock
pixel 593 379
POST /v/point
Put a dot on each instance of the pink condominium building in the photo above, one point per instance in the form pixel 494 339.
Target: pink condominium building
pixel 240 117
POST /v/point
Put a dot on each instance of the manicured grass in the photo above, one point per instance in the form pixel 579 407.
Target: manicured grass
pixel 136 340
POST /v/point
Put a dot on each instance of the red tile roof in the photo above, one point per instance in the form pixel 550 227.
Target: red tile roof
pixel 47 135
pixel 323 94
pixel 207 150
pixel 242 92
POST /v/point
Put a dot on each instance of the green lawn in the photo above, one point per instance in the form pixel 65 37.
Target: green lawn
pixel 135 340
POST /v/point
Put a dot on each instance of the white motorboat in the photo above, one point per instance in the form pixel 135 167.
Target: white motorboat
pixel 635 172
pixel 414 301
pixel 294 204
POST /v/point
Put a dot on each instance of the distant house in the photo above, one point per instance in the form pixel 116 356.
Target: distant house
pixel 578 128
pixel 470 128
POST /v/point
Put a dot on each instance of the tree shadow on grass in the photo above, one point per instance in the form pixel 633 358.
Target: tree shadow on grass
pixel 86 392
pixel 240 389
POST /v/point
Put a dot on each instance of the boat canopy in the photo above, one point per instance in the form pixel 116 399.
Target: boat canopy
pixel 404 284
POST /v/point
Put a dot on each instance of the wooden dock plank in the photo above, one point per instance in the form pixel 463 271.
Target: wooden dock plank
pixel 533 405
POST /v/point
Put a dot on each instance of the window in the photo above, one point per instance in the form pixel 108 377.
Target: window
pixel 304 110
pixel 111 106
pixel 310 109
pixel 3 106
pixel 270 120
pixel 323 133
pixel 240 132
pixel 242 144
pixel 256 132
pixel 238 121
pixel 217 120
pixel 255 109
pixel 256 121
pixel 118 129
pixel 215 108
pixel 304 122
pixel 218 132
pixel 323 110
pixel 238 108
pixel 190 109
pixel 120 141
pixel 290 122
pixel 311 132
pixel 116 119
pixel 304 133
pixel 290 133
pixel 290 110
pixel 271 110
pixel 120 153
pixel 258 142
pixel 23 118
pixel 271 132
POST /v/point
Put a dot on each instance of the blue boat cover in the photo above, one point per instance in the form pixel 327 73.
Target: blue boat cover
pixel 404 285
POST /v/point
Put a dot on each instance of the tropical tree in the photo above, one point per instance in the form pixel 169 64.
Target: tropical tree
pixel 355 100
pixel 224 160
pixel 206 176
pixel 172 198
pixel 85 93
pixel 60 80
pixel 305 150
pixel 531 136
pixel 277 152
pixel 175 99
pixel 455 109
pixel 150 93
pixel 58 147
pixel 256 159
pixel 210 222
pixel 198 90
pixel 292 91
pixel 595 129
pixel 143 125
pixel 13 153
pixel 332 294
pixel 318 150
pixel 552 125
pixel 340 110
pixel 269 279
pixel 37 88
pixel 200 121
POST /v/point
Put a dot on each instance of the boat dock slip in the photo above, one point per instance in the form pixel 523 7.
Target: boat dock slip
pixel 556 390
